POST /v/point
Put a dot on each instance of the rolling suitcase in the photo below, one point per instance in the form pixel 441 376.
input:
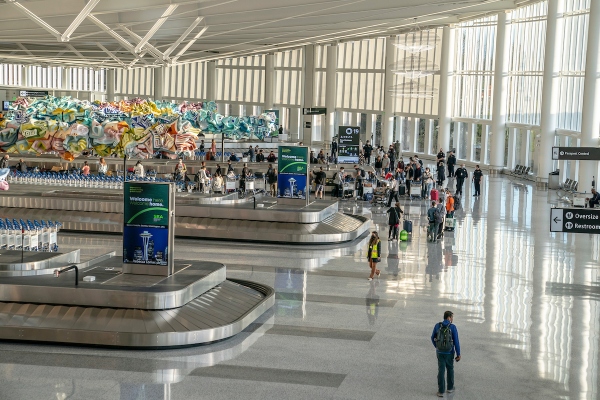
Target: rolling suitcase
pixel 407 226
pixel 435 195
pixel 402 190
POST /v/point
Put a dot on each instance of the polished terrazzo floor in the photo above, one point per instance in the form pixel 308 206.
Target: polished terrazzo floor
pixel 526 303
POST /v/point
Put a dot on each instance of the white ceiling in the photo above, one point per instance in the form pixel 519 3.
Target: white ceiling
pixel 35 31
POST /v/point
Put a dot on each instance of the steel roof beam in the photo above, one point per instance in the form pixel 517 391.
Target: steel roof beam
pixel 112 33
pixel 151 49
pixel 34 18
pixel 190 43
pixel 65 37
pixel 163 18
pixel 184 36
pixel 111 54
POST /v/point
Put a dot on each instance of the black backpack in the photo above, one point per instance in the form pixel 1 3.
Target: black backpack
pixel 443 340
pixel 439 215
pixel 456 202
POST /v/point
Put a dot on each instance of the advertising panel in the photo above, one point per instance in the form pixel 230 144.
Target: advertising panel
pixel 148 224
pixel 292 165
pixel 348 143
pixel 274 116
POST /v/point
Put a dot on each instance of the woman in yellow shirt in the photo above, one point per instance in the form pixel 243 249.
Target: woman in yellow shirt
pixel 374 255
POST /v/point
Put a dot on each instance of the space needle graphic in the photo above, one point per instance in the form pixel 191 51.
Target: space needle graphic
pixel 292 182
pixel 146 238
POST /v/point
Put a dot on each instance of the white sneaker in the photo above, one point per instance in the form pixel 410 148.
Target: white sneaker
pixel 369 279
pixel 450 391
pixel 440 394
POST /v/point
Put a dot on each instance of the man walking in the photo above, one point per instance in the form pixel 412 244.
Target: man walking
pixel 320 178
pixel 477 179
pixel 461 175
pixel 368 150
pixel 451 163
pixel 445 341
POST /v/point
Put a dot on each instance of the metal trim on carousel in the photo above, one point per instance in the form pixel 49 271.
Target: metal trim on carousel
pixel 222 312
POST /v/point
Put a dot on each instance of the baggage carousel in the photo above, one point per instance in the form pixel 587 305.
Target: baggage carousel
pixel 226 217
pixel 195 305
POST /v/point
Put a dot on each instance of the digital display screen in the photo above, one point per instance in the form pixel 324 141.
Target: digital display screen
pixel 348 144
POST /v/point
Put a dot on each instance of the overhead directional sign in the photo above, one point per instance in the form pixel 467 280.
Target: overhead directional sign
pixel 33 93
pixel 314 111
pixel 575 220
pixel 576 153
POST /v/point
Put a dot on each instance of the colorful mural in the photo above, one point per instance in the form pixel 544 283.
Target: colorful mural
pixel 138 128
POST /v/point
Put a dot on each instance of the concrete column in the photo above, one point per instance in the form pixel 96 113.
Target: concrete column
pixel 159 82
pixel 590 119
pixel 308 97
pixel 66 77
pixel 412 129
pixel 331 91
pixel 550 90
pixel 221 108
pixel 24 75
pixel 269 81
pixel 387 127
pixel 370 128
pixel 446 88
pixel 211 80
pixel 294 124
pixel 512 142
pixel 354 118
pixel 110 84
pixel 499 112
pixel 427 141
pixel 470 131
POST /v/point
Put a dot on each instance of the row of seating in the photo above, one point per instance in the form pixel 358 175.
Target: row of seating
pixel 520 170
pixel 570 186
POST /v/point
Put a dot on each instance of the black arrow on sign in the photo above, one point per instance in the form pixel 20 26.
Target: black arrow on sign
pixel 556 219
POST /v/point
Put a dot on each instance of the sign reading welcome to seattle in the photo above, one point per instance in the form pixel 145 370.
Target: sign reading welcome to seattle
pixel 575 220
pixel 292 166
pixel 147 227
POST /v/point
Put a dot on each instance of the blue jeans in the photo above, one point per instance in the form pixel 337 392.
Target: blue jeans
pixel 445 364
pixel 429 186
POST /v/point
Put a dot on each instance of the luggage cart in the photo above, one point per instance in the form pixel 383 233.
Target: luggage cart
pixel 415 190
pixel 230 184
pixel 380 196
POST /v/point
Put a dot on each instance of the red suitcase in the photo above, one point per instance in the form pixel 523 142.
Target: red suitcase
pixel 435 195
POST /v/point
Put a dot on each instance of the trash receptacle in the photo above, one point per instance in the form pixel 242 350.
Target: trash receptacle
pixel 553 181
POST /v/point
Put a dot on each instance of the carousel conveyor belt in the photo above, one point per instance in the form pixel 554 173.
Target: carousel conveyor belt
pixel 319 222
pixel 219 313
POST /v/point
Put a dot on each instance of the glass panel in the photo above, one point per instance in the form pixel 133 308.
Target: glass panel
pixel 434 137
pixel 462 141
pixel 477 142
pixel 421 135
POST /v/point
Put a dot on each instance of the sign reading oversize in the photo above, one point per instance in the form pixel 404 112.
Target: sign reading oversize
pixel 575 220
pixel 576 153
pixel 293 170
pixel 148 227
pixel 348 143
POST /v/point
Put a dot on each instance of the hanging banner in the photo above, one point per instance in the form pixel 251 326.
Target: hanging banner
pixel 148 228
pixel 292 180
pixel 348 143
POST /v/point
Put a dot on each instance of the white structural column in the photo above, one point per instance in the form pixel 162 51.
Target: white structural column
pixel 269 81
pixel 446 87
pixel 590 119
pixel 65 84
pixel 387 122
pixel 110 85
pixel 211 80
pixel 294 131
pixel 309 97
pixel 550 91
pixel 331 92
pixel 24 77
pixel 159 80
pixel 500 95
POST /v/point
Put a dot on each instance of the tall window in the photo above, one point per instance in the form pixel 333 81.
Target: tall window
pixel 526 63
pixel 572 67
pixel 288 77
pixel 360 74
pixel 241 80
pixel 474 68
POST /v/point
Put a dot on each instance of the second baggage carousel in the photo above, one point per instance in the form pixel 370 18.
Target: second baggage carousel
pixel 227 217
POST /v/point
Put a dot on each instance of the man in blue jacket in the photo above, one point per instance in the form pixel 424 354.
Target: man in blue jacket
pixel 445 341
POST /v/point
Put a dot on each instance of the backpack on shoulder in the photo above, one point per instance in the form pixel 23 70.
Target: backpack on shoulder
pixel 443 340
pixel 456 202
pixel 439 215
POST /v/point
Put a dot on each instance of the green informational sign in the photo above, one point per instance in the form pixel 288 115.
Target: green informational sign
pixel 292 160
pixel 146 204
pixel 148 227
